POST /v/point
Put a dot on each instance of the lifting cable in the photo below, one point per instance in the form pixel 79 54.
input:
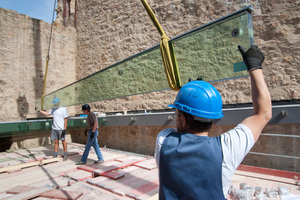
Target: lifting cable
pixel 48 57
pixel 167 53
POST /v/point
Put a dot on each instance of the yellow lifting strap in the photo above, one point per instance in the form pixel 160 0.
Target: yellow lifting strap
pixel 42 100
pixel 167 53
pixel 48 58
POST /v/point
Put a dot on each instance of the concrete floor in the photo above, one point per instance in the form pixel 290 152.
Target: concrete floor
pixel 33 173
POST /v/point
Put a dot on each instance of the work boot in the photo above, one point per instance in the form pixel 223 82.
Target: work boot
pixel 99 161
pixel 65 157
pixel 79 162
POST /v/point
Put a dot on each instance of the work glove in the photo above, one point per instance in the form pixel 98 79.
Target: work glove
pixel 63 133
pixel 85 132
pixel 253 57
pixel 92 134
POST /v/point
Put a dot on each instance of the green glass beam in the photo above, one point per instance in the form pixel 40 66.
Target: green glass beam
pixel 209 52
pixel 17 128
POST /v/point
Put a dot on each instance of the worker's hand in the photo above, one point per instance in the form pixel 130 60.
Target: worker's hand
pixel 63 133
pixel 92 134
pixel 85 132
pixel 253 57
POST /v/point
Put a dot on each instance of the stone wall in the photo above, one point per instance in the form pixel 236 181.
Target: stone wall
pixel 110 31
pixel 23 51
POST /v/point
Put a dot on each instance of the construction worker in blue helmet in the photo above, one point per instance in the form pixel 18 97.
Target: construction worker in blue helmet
pixel 59 126
pixel 193 165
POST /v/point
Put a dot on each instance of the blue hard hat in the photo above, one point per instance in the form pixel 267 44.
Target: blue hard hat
pixel 200 99
pixel 55 100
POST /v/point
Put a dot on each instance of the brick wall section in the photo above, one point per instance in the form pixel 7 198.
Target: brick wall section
pixel 23 50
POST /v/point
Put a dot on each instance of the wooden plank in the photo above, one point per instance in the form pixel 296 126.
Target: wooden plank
pixel 61 194
pixel 29 194
pixel 121 165
pixel 24 165
pixel 19 189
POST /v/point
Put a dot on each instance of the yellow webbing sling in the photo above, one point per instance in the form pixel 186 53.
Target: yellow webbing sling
pixel 167 53
pixel 47 59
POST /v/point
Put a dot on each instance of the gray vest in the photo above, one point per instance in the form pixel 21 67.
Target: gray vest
pixel 190 167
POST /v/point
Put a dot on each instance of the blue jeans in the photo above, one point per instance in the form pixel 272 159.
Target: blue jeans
pixel 92 142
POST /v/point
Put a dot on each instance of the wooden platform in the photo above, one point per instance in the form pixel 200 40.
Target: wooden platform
pixel 33 173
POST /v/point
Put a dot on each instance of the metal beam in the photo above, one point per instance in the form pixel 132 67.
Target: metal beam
pixel 282 114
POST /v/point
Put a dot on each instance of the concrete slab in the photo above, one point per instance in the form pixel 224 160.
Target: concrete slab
pixel 131 180
pixel 135 159
pixel 19 189
pixel 98 179
pixel 147 164
pixel 24 177
pixel 93 192
pixel 5 195
pixel 106 167
pixel 79 175
pixel 56 182
pixel 112 189
pixel 7 162
pixel 151 195
pixel 52 193
pixel 143 189
pixel 113 175
pixel 140 180
pixel 87 168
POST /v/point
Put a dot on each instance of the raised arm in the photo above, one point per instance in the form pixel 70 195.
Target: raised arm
pixel 45 113
pixel 260 94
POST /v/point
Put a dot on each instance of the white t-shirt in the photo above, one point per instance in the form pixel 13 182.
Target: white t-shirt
pixel 236 143
pixel 59 115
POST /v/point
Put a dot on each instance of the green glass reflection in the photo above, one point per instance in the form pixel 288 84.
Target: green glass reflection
pixel 209 52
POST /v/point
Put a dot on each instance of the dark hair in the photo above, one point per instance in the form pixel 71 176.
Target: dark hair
pixel 196 125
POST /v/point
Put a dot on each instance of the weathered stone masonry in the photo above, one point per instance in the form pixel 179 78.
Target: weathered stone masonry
pixel 110 31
